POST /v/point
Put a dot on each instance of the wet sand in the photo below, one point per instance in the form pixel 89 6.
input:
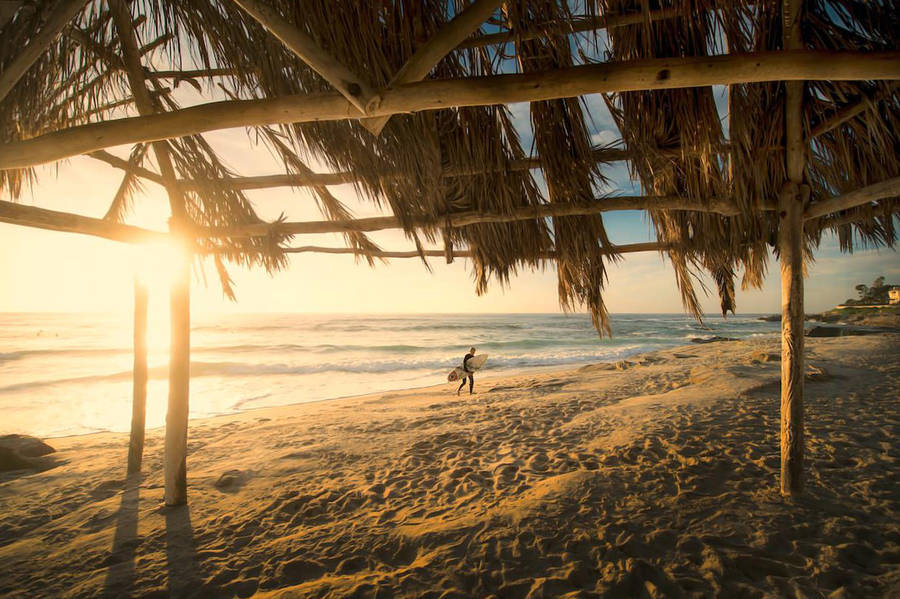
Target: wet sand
pixel 655 477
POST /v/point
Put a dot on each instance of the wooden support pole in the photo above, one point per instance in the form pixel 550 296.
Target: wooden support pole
pixel 139 379
pixel 61 16
pixel 349 84
pixel 645 74
pixel 442 43
pixel 790 251
pixel 179 383
pixel 180 303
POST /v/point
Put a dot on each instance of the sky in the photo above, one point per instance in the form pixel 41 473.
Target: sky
pixel 60 272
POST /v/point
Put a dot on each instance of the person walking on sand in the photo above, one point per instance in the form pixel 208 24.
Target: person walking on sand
pixel 470 374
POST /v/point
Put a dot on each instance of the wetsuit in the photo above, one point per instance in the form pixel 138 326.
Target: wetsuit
pixel 469 375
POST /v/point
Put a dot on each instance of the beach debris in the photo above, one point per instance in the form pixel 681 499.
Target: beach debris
pixel 764 356
pixel 817 373
pixel 712 339
pixel 231 480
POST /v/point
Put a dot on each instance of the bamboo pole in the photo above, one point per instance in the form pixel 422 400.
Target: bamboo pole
pixel 790 250
pixel 644 74
pixel 356 90
pixel 180 318
pixel 139 379
pixel 61 16
pixel 435 49
pixel 871 193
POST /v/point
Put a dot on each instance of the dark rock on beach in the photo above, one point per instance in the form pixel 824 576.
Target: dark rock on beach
pixel 840 331
pixel 29 447
pixel 21 452
pixel 11 460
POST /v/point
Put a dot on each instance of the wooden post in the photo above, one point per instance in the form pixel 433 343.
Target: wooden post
pixel 139 389
pixel 790 249
pixel 179 385
pixel 180 300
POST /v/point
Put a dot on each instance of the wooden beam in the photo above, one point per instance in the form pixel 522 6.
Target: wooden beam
pixel 150 47
pixel 190 74
pixel 351 86
pixel 139 379
pixel 576 26
pixel 790 251
pixel 62 15
pixel 619 249
pixel 340 178
pixel 179 301
pixel 53 220
pixel 849 112
pixel 645 74
pixel 121 163
pixel 871 193
pixel 463 219
pixel 435 49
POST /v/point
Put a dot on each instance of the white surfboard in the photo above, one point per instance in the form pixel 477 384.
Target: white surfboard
pixel 475 362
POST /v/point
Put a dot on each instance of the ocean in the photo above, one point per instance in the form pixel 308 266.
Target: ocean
pixel 68 374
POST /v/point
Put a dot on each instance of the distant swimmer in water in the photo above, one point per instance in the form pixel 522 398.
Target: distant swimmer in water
pixel 469 374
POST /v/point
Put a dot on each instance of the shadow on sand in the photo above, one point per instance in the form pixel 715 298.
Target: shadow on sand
pixel 181 553
pixel 120 575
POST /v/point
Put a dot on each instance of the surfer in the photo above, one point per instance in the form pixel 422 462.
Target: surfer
pixel 470 374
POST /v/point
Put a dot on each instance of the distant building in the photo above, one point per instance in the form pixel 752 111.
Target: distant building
pixel 894 295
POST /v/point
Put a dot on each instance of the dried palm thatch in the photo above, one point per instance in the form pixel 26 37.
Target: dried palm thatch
pixel 675 139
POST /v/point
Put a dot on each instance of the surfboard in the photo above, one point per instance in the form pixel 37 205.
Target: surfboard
pixel 474 364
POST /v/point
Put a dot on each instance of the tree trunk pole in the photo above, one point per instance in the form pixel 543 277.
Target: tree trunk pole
pixel 790 249
pixel 139 390
pixel 179 385
pixel 180 299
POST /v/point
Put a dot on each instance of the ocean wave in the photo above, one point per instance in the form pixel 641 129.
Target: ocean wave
pixel 432 364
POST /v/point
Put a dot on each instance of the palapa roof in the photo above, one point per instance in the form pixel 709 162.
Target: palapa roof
pixel 432 165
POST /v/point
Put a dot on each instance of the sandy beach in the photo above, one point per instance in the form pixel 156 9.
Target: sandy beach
pixel 652 477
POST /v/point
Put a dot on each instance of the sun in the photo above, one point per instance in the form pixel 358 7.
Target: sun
pixel 155 264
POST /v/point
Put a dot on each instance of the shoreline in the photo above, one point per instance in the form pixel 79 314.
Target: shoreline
pixel 545 369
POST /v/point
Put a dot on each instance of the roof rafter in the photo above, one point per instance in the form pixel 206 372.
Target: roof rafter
pixel 580 25
pixel 647 74
pixel 61 16
pixel 435 49
pixel 871 193
pixel 356 90
pixel 618 249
